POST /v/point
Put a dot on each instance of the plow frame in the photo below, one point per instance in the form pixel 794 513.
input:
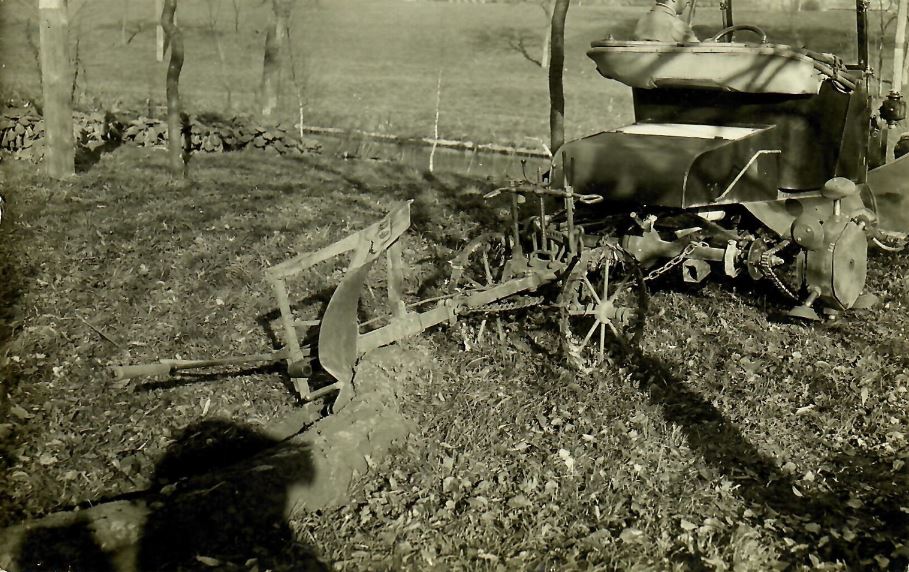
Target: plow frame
pixel 340 340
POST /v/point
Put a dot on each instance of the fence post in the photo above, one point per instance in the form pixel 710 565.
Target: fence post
pixel 56 78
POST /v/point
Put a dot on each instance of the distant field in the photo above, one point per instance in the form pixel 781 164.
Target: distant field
pixel 372 64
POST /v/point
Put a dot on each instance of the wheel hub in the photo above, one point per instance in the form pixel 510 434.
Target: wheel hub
pixel 606 311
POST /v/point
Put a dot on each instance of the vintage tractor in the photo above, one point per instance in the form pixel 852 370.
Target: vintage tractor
pixel 750 159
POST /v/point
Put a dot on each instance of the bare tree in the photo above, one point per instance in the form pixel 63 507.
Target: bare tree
pixel 548 7
pixel 236 6
pixel 174 67
pixel 556 63
pixel 886 18
pixel 272 65
pixel 124 21
pixel 212 26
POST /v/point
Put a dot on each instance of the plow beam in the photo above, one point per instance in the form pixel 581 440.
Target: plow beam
pixel 170 366
pixel 448 310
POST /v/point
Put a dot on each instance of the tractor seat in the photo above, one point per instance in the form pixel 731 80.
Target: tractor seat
pixel 736 67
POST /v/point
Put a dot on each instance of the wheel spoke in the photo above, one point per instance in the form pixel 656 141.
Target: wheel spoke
pixel 593 290
pixel 589 310
pixel 603 341
pixel 621 287
pixel 589 335
pixel 615 332
pixel 606 280
pixel 486 267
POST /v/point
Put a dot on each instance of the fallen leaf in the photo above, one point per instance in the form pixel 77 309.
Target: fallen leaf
pixel 20 413
pixel 519 501
pixel 208 560
pixel 631 535
pixel 566 457
pixel 688 525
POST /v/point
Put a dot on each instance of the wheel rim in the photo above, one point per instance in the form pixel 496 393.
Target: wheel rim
pixel 603 306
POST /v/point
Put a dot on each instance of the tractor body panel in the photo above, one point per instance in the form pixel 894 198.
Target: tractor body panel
pixel 817 134
pixel 673 165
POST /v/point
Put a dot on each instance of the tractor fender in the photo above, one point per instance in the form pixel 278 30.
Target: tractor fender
pixel 889 186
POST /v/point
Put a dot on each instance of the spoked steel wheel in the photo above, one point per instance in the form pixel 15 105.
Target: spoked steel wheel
pixel 481 264
pixel 603 306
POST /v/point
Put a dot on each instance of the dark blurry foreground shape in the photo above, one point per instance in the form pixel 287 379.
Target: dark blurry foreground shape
pixel 210 511
pixel 229 516
pixel 65 548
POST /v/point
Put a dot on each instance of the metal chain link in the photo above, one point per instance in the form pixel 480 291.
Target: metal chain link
pixel 673 262
pixel 499 307
pixel 767 267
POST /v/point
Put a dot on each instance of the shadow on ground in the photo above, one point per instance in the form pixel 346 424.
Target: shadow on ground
pixel 211 512
pixel 879 526
pixel 11 293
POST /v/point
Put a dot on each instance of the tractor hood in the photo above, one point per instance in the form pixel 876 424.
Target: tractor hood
pixel 672 165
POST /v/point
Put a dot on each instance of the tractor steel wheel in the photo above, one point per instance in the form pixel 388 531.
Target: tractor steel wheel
pixel 603 306
pixel 481 264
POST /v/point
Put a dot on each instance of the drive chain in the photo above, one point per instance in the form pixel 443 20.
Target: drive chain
pixel 500 307
pixel 673 262
pixel 767 268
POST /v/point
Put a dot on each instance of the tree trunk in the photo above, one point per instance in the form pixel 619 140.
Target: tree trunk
pixel 56 78
pixel 236 4
pixel 159 31
pixel 174 67
pixel 124 19
pixel 272 64
pixel 544 56
pixel 899 48
pixel 556 63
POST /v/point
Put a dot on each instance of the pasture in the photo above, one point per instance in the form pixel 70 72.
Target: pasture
pixel 731 441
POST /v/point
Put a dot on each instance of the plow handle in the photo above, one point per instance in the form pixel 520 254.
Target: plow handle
pixel 141 370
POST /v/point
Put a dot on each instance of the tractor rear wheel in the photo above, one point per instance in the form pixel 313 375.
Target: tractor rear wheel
pixel 603 307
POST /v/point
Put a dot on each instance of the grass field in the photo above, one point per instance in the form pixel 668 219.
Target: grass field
pixel 375 64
